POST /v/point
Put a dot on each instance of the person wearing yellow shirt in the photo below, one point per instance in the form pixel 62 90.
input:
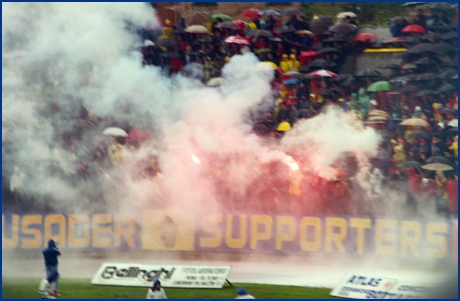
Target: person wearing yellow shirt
pixel 114 151
pixel 285 64
pixel 295 64
pixel 168 30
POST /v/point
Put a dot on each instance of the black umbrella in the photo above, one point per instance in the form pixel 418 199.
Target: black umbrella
pixel 410 164
pixel 446 89
pixel 448 74
pixel 326 92
pixel 425 61
pixel 343 28
pixel 275 39
pixel 328 50
pixel 341 77
pixel 262 33
pixel 427 76
pixel 179 30
pixel 389 66
pixel 410 4
pixel 321 24
pixel 425 92
pixel 206 40
pixel 334 40
pixel 400 20
pixel 432 36
pixel 440 6
pixel 291 12
pixel 438 159
pixel 441 27
pixel 449 64
pixel 321 64
pixel 420 48
pixel 228 25
pixel 448 111
pixel 285 29
pixel 368 73
pixel 403 79
pixel 442 47
pixel 350 81
pixel 171 42
pixel 418 135
pixel 449 36
pixel 304 69
pixel 409 88
pixel 413 40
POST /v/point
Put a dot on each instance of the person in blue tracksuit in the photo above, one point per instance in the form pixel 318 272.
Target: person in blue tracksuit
pixel 50 255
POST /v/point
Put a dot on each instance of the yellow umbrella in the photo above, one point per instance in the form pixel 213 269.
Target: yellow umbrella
pixel 284 126
pixel 415 122
pixel 437 166
pixel 271 64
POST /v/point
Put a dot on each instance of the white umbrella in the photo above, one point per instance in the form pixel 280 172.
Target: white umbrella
pixel 323 73
pixel 148 43
pixel 345 14
pixel 117 132
pixel 196 29
pixel 216 81
pixel 453 123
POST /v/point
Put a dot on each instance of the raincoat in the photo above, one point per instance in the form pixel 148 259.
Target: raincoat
pixel 364 100
pixel 115 153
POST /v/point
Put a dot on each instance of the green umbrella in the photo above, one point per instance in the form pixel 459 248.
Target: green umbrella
pixel 223 17
pixel 380 86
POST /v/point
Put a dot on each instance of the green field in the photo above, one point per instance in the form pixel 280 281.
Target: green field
pixel 13 288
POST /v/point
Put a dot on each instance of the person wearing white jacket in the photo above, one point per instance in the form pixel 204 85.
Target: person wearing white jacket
pixel 243 294
pixel 156 291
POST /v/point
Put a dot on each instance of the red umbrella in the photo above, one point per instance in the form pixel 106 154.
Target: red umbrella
pixel 323 73
pixel 237 40
pixel 364 37
pixel 305 55
pixel 250 13
pixel 413 29
pixel 240 23
pixel 138 136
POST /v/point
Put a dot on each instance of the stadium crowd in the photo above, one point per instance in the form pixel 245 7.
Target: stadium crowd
pixel 414 108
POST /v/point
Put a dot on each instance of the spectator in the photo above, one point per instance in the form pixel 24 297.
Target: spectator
pixel 156 291
pixel 51 263
pixel 419 18
pixel 431 18
pixel 242 294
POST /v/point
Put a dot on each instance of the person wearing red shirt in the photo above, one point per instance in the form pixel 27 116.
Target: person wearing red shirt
pixel 451 187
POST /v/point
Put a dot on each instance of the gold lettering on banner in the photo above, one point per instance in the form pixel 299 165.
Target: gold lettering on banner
pixel 211 225
pixel 310 245
pixel 360 224
pixel 78 233
pixel 331 236
pixel 126 232
pixel 282 236
pixel 385 237
pixel 102 236
pixel 256 236
pixel 435 234
pixel 411 242
pixel 14 240
pixel 60 238
pixel 240 241
pixel 36 241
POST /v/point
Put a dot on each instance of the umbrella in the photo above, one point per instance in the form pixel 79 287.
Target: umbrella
pixel 425 61
pixel 449 64
pixel 198 18
pixel 438 159
pixel 378 113
pixel 215 82
pixel 291 12
pixel 250 13
pixel 420 48
pixel 415 122
pixel 196 29
pixel 237 40
pixel 349 81
pixel 114 131
pixel 410 164
pixel 448 111
pixel 241 24
pixel 446 89
pixel 291 81
pixel 206 40
pixel 305 32
pixel 425 92
pixel 328 50
pixel 432 36
pixel 283 126
pixel 441 27
pixel 410 4
pixel 448 74
pixel 364 37
pixel 334 40
pixel 228 25
pixel 368 73
pixel 400 20
pixel 388 66
pixel 440 6
pixel 413 29
pixel 418 135
pixel 170 42
pixel 426 76
pixel 285 29
pixel 323 73
pixel 321 64
pixel 321 24
pixel 453 123
pixel 177 9
pixel 307 54
pixel 343 15
pixel 343 28
pixel 449 36
pixel 409 66
pixel 293 74
pixel 271 64
pixel 326 92
pixel 382 119
pixel 263 33
pixel 380 86
pixel 138 136
pixel 413 40
pixel 402 79
pixel 442 47
pixel 409 89
pixel 223 17
pixel 437 166
pixel 269 12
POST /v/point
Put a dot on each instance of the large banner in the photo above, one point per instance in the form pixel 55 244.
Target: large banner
pixel 185 276
pixel 158 230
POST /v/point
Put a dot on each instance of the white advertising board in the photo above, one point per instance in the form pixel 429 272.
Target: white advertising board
pixel 358 286
pixel 410 290
pixel 143 275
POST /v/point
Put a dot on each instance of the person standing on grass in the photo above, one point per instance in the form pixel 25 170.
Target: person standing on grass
pixel 156 291
pixel 46 287
pixel 51 262
pixel 243 294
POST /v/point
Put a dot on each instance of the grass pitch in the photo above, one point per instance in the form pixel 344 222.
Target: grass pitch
pixel 18 288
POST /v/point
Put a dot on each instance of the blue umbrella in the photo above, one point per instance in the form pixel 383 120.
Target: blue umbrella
pixel 269 12
pixel 291 81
